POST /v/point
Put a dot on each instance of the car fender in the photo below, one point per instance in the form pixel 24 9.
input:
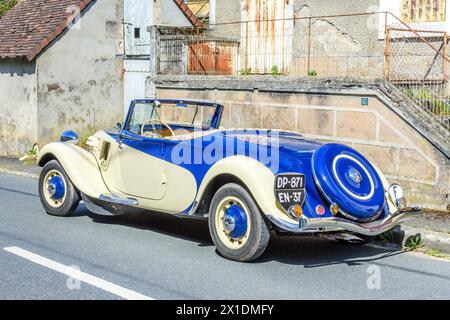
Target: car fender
pixel 256 177
pixel 79 164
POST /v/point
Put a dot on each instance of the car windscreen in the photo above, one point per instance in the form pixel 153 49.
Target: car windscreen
pixel 179 114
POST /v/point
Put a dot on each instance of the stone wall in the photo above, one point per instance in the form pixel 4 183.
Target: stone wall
pixel 17 106
pixel 341 45
pixel 80 85
pixel 330 111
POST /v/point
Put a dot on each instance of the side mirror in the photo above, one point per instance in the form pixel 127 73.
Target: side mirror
pixel 118 127
pixel 70 137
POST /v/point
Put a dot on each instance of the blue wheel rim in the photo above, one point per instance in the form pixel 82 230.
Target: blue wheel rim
pixel 56 188
pixel 235 221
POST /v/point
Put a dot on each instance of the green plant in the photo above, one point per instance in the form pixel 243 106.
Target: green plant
pixel 434 252
pixel 31 155
pixel 410 93
pixel 275 71
pixel 438 106
pixel 33 151
pixel 387 236
pixel 441 108
pixel 312 73
pixel 6 5
pixel 414 242
pixel 245 72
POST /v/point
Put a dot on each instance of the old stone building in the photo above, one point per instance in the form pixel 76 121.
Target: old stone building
pixel 60 68
pixel 74 64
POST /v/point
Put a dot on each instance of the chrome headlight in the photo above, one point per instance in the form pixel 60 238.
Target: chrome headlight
pixel 396 194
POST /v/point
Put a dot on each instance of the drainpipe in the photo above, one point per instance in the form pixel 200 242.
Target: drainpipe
pixel 212 14
pixel 150 89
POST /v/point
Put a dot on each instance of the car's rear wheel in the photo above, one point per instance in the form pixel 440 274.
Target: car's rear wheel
pixel 56 191
pixel 237 228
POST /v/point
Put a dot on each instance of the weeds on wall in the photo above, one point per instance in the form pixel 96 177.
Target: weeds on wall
pixel 31 155
pixel 437 106
pixel 245 72
pixel 275 71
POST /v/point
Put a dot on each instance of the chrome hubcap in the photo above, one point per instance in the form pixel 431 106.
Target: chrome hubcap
pixel 51 189
pixel 229 224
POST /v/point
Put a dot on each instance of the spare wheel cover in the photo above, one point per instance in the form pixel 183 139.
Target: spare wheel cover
pixel 345 177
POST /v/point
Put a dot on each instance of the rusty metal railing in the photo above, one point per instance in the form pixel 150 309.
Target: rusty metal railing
pixel 363 45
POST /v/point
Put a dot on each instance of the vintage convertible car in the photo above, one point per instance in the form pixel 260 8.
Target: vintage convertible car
pixel 171 156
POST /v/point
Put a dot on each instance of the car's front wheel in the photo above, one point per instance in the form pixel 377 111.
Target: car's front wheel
pixel 237 228
pixel 56 191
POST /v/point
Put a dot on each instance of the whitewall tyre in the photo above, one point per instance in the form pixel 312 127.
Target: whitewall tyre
pixel 237 228
pixel 56 191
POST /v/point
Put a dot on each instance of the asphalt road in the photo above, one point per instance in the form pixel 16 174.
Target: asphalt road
pixel 161 257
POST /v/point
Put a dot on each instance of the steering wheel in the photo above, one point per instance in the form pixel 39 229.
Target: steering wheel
pixel 158 121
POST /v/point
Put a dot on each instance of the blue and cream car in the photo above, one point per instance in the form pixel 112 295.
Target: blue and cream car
pixel 172 156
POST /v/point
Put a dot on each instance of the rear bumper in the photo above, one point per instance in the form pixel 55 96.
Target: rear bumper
pixel 318 225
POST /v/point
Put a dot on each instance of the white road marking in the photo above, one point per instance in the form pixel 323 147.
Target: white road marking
pixel 79 275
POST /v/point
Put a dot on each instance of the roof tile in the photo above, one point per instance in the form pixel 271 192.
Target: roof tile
pixel 32 24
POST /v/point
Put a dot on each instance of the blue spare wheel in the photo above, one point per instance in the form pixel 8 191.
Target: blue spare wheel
pixel 345 177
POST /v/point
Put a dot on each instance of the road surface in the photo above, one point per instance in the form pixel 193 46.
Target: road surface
pixel 155 256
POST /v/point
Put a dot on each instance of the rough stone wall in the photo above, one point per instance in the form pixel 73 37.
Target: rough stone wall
pixel 340 46
pixel 330 111
pixel 17 106
pixel 80 80
pixel 227 11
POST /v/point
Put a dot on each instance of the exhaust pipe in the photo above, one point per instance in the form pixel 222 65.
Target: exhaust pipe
pixel 342 236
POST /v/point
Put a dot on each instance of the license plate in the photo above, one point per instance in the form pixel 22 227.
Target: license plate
pixel 290 189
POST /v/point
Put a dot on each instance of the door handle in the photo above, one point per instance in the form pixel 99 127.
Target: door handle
pixel 129 137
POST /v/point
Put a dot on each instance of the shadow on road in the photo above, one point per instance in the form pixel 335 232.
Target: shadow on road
pixel 186 229
pixel 311 252
pixel 314 252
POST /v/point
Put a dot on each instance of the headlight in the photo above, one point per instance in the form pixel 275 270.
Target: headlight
pixel 396 194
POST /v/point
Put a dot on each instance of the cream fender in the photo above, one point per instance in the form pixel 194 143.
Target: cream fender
pixel 256 177
pixel 79 164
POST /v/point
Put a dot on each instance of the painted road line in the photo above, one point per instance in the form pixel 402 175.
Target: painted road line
pixel 78 275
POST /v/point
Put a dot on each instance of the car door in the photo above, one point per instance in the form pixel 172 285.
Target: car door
pixel 138 168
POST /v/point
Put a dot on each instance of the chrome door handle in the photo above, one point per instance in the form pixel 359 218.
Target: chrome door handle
pixel 126 136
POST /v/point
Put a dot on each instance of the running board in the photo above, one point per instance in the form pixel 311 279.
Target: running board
pixel 114 198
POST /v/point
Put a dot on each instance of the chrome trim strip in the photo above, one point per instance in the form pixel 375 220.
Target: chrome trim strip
pixel 338 224
pixel 118 200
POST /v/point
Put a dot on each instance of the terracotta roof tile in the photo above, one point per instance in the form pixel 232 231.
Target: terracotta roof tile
pixel 32 24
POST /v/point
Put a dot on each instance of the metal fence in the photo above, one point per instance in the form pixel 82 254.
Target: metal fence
pixel 366 45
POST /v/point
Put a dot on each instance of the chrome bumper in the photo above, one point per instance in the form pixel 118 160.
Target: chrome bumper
pixel 316 225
